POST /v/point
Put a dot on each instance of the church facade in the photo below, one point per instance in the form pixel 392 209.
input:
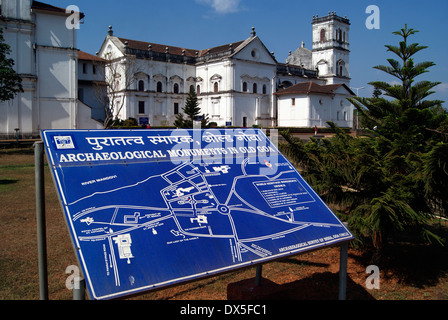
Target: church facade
pixel 238 84
pixel 46 58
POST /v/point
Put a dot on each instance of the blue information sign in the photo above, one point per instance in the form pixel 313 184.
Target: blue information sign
pixel 152 208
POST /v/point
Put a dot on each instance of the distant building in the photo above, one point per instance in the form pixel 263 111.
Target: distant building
pixel 238 84
pixel 234 82
pixel 46 57
pixel 91 85
pixel 309 104
pixel 301 57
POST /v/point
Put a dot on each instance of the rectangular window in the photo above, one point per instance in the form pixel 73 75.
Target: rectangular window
pixel 176 108
pixel 293 101
pixel 84 68
pixel 141 107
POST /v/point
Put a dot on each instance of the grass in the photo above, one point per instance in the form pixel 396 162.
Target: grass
pixel 409 272
pixel 18 231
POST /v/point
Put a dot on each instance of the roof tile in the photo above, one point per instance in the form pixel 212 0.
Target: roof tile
pixel 142 45
pixel 309 87
pixel 87 56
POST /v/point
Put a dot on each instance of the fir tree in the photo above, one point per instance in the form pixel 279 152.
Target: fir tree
pixel 392 181
pixel 192 112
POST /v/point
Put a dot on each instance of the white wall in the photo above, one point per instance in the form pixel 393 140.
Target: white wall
pixel 57 70
pixel 315 110
pixel 16 9
pixel 45 55
pixel 85 119
pixel 18 34
pixel 294 116
pixel 51 31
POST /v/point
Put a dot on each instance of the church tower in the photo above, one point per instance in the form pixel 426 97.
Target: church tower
pixel 330 54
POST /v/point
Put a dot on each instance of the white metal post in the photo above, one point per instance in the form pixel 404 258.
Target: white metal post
pixel 79 288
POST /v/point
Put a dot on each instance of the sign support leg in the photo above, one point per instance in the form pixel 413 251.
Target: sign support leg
pixel 343 271
pixel 40 217
pixel 79 288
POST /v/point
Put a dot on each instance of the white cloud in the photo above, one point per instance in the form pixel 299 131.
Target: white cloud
pixel 222 6
pixel 442 88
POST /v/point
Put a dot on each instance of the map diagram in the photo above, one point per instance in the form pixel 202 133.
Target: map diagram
pixel 144 225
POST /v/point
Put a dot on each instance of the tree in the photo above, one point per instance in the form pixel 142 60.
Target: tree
pixel 192 112
pixel 408 99
pixel 391 181
pixel 119 76
pixel 10 81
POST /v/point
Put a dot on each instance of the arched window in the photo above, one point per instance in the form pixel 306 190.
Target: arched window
pixel 285 84
pixel 340 68
pixel 264 89
pixel 244 86
pixel 255 88
pixel 198 89
pixel 159 86
pixel 176 88
pixel 216 87
pixel 322 35
pixel 141 85
pixel 192 88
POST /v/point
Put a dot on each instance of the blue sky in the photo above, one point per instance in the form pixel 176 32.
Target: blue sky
pixel 281 25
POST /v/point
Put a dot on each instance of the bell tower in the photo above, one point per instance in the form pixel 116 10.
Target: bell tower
pixel 331 48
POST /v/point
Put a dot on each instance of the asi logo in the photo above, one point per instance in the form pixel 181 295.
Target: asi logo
pixel 64 142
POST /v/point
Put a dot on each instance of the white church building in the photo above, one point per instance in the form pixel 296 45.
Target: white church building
pixel 46 58
pixel 238 84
